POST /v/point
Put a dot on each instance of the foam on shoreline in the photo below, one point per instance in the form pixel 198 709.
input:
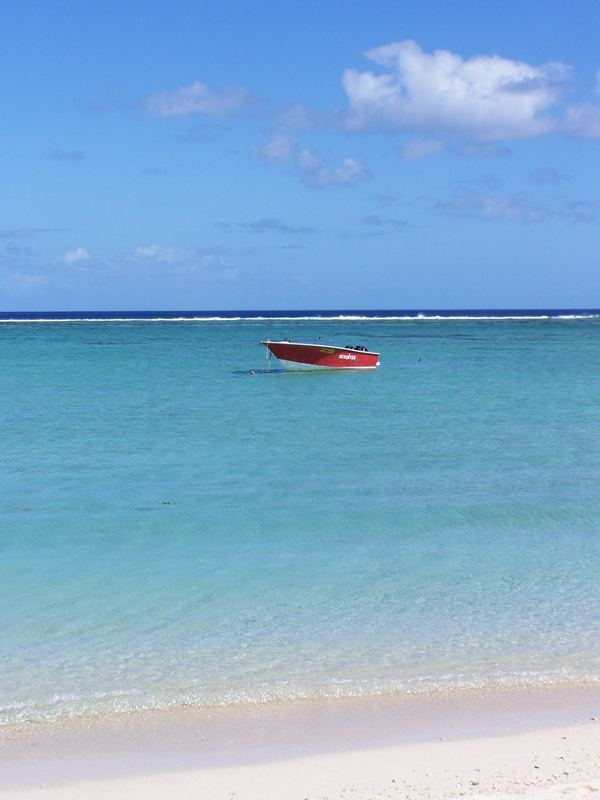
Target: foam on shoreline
pixel 61 708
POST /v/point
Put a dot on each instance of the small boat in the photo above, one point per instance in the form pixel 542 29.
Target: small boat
pixel 299 355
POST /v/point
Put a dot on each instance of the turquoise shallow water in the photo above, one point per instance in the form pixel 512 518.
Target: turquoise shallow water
pixel 175 530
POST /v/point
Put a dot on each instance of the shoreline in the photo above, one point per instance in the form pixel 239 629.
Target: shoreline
pixel 315 746
pixel 461 685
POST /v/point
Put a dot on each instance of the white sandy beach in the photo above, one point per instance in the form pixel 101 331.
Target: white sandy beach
pixel 541 744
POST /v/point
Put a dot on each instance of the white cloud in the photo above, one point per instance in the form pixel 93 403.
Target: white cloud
pixel 315 173
pixel 157 260
pixel 375 221
pixel 275 225
pixel 26 233
pixel 160 254
pixel 279 148
pixel 484 97
pixel 197 98
pixel 193 266
pixel 481 150
pixel 67 155
pixel 547 176
pixel 75 256
pixel 229 274
pixel 421 148
pixel 586 211
pixel 296 116
pixel 494 206
pixel 26 281
pixel 14 254
pixel 583 120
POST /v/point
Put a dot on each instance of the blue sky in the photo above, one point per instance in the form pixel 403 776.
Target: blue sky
pixel 190 155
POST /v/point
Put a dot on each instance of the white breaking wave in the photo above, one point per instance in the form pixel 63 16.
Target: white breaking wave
pixel 420 317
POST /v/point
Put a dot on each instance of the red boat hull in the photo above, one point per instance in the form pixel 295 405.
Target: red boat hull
pixel 295 355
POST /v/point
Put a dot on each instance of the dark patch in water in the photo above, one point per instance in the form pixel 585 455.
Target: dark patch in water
pixel 108 344
pixel 259 371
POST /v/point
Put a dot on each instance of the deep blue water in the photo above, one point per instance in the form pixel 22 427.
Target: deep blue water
pixel 177 530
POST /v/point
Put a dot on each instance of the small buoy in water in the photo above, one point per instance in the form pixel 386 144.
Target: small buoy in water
pixel 252 372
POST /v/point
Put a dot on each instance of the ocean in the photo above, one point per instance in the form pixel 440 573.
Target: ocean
pixel 183 524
